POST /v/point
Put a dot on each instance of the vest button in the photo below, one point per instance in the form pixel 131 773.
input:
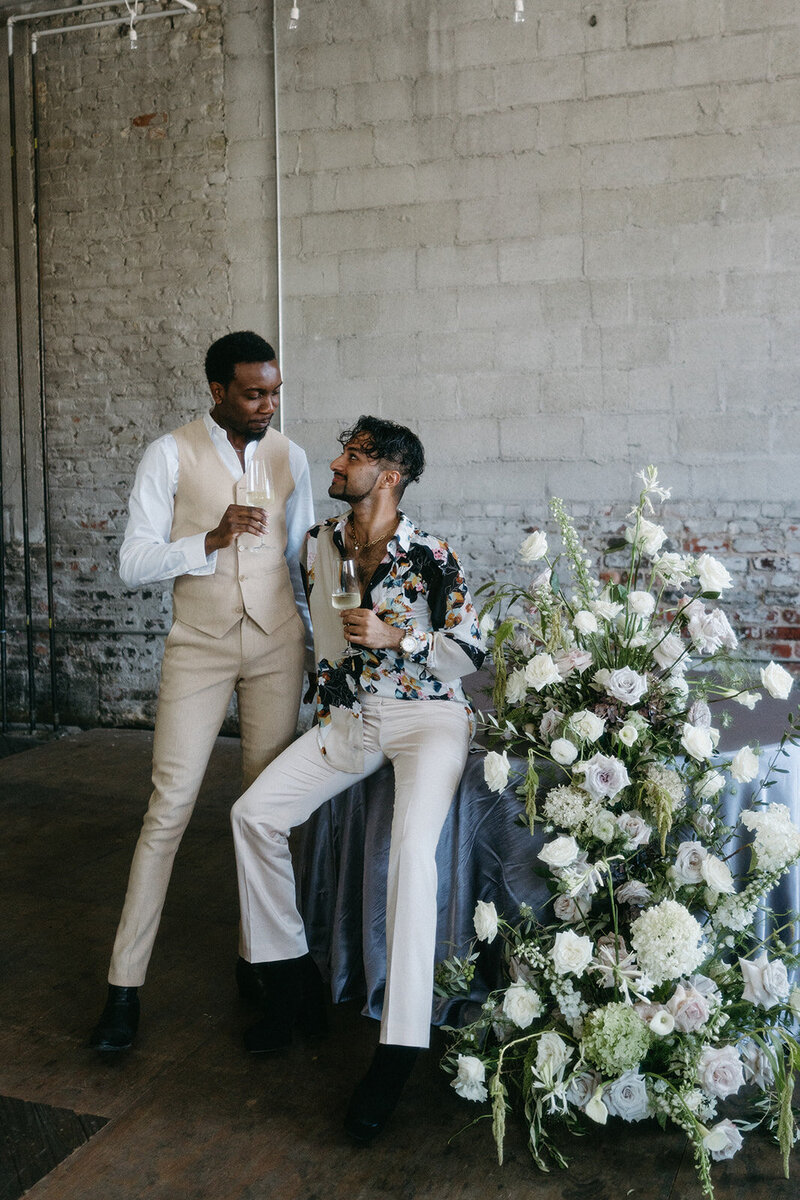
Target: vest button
pixel 241 579
pixel 238 609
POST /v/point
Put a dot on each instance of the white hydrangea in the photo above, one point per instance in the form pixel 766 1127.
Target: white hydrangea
pixel 668 941
pixel 777 840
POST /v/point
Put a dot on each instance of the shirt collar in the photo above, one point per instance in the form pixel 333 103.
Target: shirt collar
pixel 403 534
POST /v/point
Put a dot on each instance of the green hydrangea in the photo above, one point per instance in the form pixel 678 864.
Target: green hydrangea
pixel 615 1038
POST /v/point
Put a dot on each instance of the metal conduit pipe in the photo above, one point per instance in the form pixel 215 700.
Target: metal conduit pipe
pixel 23 457
pixel 186 7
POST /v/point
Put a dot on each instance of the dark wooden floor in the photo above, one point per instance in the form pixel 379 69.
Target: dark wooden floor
pixel 188 1115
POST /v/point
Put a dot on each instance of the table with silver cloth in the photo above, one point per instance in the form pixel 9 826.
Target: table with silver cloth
pixel 484 853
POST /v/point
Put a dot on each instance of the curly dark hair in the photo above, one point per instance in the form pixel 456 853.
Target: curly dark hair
pixel 233 348
pixel 390 443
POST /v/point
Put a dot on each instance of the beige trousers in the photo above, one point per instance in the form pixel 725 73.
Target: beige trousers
pixel 199 675
pixel 426 741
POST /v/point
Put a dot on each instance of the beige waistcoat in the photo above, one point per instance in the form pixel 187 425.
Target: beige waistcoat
pixel 252 582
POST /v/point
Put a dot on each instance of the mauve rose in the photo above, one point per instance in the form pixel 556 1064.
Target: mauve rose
pixel 699 714
pixel 573 660
pixel 634 892
pixel 550 722
pixel 635 828
pixel 689 862
pixel 567 910
pixel 626 1097
pixel 603 776
pixel 719 1071
pixel 690 1010
pixel 581 1087
pixel 626 685
pixel 723 1140
pixel 765 983
pixel 757 1066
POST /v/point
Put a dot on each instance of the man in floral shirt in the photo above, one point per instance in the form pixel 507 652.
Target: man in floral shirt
pixel 389 689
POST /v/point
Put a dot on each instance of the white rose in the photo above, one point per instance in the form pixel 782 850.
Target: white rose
pixel 710 631
pixel 516 686
pixel 794 1001
pixel 603 776
pixel 744 766
pixel 606 610
pixel 777 681
pixel 563 751
pixel 713 576
pixel 710 785
pixel 469 1082
pixel 696 741
pixel 646 536
pixel 495 770
pixel 571 954
pixel 626 1097
pixel 689 862
pixel 486 624
pixel 626 685
pixel 672 569
pixel 596 1109
pixel 585 621
pixel 641 603
pixel 559 853
pixel 628 734
pixel 765 983
pixel 719 1071
pixel 717 875
pixel 485 921
pixel 635 828
pixel 689 1008
pixel 534 547
pixel 588 726
pixel 723 1140
pixel 552 1055
pixel 747 699
pixel 521 1004
pixel 541 671
pixel 668 650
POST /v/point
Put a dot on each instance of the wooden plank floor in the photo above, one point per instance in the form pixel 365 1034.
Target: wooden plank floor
pixel 189 1115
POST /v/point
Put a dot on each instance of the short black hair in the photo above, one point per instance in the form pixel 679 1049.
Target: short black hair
pixel 233 348
pixel 391 443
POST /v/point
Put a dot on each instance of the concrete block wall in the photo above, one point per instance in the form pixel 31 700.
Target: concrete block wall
pixel 558 250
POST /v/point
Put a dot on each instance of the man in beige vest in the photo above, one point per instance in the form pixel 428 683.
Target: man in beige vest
pixel 235 624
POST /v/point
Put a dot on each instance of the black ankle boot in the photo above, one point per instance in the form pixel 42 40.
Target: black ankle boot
pixel 376 1096
pixel 285 992
pixel 119 1020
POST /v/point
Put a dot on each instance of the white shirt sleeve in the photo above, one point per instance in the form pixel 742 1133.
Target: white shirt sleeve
pixel 299 519
pixel 147 555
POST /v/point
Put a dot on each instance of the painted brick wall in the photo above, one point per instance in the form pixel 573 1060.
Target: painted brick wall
pixel 559 251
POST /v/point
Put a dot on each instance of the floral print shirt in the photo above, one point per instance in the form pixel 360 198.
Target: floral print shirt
pixel 419 586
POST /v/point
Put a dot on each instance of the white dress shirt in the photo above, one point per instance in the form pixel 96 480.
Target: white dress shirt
pixel 148 556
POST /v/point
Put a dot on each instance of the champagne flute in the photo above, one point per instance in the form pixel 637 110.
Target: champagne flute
pixel 346 591
pixel 258 493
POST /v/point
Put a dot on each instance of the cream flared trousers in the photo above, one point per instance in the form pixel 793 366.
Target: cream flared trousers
pixel 426 741
pixel 199 675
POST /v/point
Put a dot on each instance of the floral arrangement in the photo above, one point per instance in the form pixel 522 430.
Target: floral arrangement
pixel 641 990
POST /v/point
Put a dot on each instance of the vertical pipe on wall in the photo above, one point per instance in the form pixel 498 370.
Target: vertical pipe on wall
pixel 278 238
pixel 48 539
pixel 23 458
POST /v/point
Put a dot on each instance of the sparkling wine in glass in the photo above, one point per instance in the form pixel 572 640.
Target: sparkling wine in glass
pixel 346 591
pixel 258 494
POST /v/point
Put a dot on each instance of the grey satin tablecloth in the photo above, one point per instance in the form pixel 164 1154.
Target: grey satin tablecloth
pixel 484 853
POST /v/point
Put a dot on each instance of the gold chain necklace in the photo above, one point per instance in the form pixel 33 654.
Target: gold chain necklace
pixel 359 546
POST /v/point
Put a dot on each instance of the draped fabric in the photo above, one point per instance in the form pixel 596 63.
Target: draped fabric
pixel 484 853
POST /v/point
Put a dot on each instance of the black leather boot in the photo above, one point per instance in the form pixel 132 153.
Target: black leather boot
pixel 376 1096
pixel 286 992
pixel 119 1020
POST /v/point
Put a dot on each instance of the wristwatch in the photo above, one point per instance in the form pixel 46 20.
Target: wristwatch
pixel 412 642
